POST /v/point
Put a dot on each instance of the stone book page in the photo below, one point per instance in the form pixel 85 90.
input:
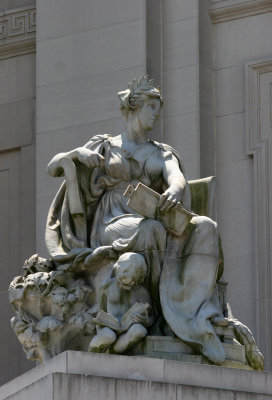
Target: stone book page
pixel 105 319
pixel 138 308
pixel 145 201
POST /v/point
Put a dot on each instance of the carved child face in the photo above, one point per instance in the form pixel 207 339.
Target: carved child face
pixel 149 113
pixel 130 273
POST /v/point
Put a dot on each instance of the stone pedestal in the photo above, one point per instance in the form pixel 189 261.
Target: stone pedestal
pixel 170 348
pixel 75 375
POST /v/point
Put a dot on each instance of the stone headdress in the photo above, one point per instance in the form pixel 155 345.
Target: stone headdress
pixel 137 91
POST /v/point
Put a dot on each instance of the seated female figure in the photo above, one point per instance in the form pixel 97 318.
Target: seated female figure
pixel 181 270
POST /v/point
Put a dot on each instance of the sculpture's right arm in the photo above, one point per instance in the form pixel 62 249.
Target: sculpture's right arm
pixel 87 157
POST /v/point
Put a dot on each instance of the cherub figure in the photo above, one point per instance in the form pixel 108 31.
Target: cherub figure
pixel 125 307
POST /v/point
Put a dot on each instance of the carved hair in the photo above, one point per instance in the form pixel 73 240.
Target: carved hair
pixel 137 262
pixel 137 92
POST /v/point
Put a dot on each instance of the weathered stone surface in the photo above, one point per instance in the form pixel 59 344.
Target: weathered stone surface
pixel 73 375
pixel 126 200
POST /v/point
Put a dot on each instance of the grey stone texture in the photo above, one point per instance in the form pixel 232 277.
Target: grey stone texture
pixel 73 375
pixel 67 113
pixel 238 42
pixel 17 192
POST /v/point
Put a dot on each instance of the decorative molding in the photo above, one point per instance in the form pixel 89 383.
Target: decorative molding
pixel 225 10
pixel 259 144
pixel 17 32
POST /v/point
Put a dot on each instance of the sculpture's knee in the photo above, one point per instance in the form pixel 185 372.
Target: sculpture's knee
pixel 204 238
pixel 102 341
pixel 137 333
pixel 134 335
pixel 205 225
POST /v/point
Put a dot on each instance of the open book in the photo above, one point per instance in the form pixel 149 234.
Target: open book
pixel 105 319
pixel 145 201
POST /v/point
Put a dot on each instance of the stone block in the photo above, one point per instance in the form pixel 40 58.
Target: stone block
pixel 207 143
pixel 206 89
pixel 202 393
pixel 170 348
pixel 242 40
pixel 91 52
pixel 17 78
pixel 70 386
pixel 241 269
pixel 127 367
pixel 235 352
pixel 28 192
pixel 134 390
pixel 181 38
pixel 192 169
pixel 230 140
pixel 10 4
pixel 67 17
pixel 236 233
pixel 73 375
pixel 181 132
pixel 235 184
pixel 13 361
pixel 175 10
pixel 42 207
pixel 180 91
pixel 206 35
pixel 41 389
pixel 17 123
pixel 82 101
pixel 166 348
pixel 230 90
pixel 56 364
pixel 5 226
pixel 157 344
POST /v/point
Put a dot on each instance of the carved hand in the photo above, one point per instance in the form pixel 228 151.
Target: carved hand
pixel 90 158
pixel 139 318
pixel 170 198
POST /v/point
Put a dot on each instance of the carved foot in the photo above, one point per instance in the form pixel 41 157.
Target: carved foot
pixel 126 341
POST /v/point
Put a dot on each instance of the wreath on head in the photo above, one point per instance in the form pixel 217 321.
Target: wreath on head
pixel 133 97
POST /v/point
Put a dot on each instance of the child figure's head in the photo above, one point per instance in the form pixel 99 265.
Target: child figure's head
pixel 130 270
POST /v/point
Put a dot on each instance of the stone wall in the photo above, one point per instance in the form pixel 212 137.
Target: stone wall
pixel 208 56
pixel 242 31
pixel 17 164
pixel 86 53
pixel 76 375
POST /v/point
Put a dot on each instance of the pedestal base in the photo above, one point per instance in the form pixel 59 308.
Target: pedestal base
pixel 170 348
pixel 84 376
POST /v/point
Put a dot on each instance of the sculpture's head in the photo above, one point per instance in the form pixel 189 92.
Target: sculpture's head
pixel 130 270
pixel 141 101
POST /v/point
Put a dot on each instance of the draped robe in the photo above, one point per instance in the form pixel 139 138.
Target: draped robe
pixel 182 271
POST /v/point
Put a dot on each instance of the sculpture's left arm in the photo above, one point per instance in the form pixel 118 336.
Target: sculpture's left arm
pixel 176 182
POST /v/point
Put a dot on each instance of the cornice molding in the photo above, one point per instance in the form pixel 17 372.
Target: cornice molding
pixel 225 10
pixel 17 32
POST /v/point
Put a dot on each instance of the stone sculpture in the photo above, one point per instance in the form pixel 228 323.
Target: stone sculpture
pixel 150 260
pixel 118 296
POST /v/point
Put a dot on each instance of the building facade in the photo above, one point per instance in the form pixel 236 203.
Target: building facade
pixel 62 63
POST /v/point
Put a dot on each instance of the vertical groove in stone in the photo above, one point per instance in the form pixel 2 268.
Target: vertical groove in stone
pixel 154 55
pixel 206 92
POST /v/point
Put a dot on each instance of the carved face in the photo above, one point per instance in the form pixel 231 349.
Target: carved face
pixel 129 275
pixel 149 113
